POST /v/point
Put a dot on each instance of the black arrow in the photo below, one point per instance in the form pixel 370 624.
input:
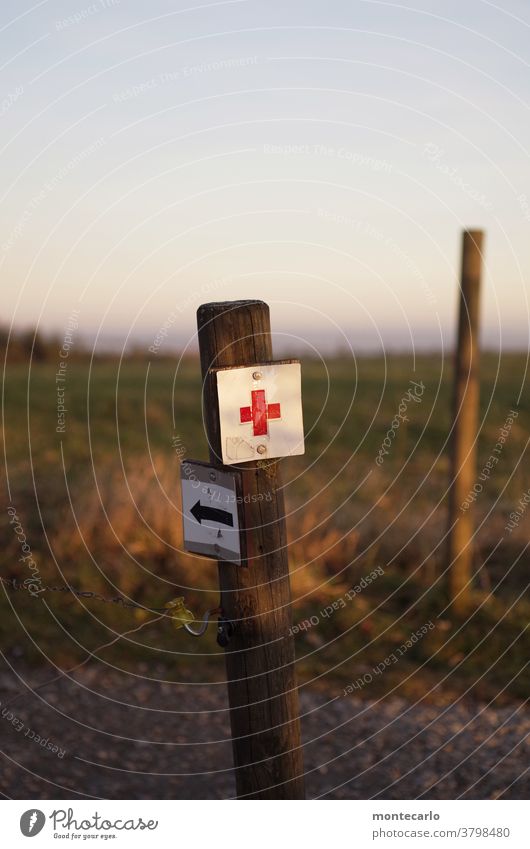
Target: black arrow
pixel 202 511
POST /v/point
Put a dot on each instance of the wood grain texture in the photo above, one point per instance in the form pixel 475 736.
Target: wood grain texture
pixel 260 658
pixel 465 424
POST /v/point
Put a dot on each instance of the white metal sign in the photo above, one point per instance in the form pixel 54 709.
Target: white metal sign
pixel 260 411
pixel 210 511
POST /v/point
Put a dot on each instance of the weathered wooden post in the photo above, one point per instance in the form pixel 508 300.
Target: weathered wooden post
pixel 260 656
pixel 465 412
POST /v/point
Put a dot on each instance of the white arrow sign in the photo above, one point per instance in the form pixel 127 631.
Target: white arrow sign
pixel 210 511
pixel 260 411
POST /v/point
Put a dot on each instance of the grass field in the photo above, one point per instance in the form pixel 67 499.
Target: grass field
pixel 99 504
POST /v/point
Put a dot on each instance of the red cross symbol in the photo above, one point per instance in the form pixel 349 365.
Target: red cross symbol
pixel 259 413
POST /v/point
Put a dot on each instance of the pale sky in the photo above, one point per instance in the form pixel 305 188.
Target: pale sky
pixel 322 156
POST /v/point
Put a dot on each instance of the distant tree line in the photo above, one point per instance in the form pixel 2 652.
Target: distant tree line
pixel 23 345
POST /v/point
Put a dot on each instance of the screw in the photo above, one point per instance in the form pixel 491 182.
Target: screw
pixel 261 449
pixel 256 375
pixel 225 630
pixel 212 476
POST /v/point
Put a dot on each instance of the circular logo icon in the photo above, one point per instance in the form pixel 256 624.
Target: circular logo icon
pixel 31 822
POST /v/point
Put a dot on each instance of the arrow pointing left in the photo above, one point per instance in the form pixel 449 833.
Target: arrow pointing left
pixel 212 514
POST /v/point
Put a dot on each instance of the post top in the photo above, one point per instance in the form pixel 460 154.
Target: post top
pixel 228 305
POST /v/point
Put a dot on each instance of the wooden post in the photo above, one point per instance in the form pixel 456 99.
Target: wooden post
pixel 465 414
pixel 260 657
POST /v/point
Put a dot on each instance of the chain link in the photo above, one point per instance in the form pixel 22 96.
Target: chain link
pixel 16 586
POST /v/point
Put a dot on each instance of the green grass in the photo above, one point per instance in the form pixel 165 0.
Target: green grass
pixel 115 470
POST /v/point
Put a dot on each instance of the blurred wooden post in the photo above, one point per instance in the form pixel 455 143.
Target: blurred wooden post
pixel 260 656
pixel 465 414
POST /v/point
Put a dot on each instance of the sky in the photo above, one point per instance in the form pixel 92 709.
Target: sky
pixel 324 157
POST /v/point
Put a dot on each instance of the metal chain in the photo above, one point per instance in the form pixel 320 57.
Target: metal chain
pixel 16 586
pixel 167 611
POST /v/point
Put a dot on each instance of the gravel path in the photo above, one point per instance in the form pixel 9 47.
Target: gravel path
pixel 110 735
